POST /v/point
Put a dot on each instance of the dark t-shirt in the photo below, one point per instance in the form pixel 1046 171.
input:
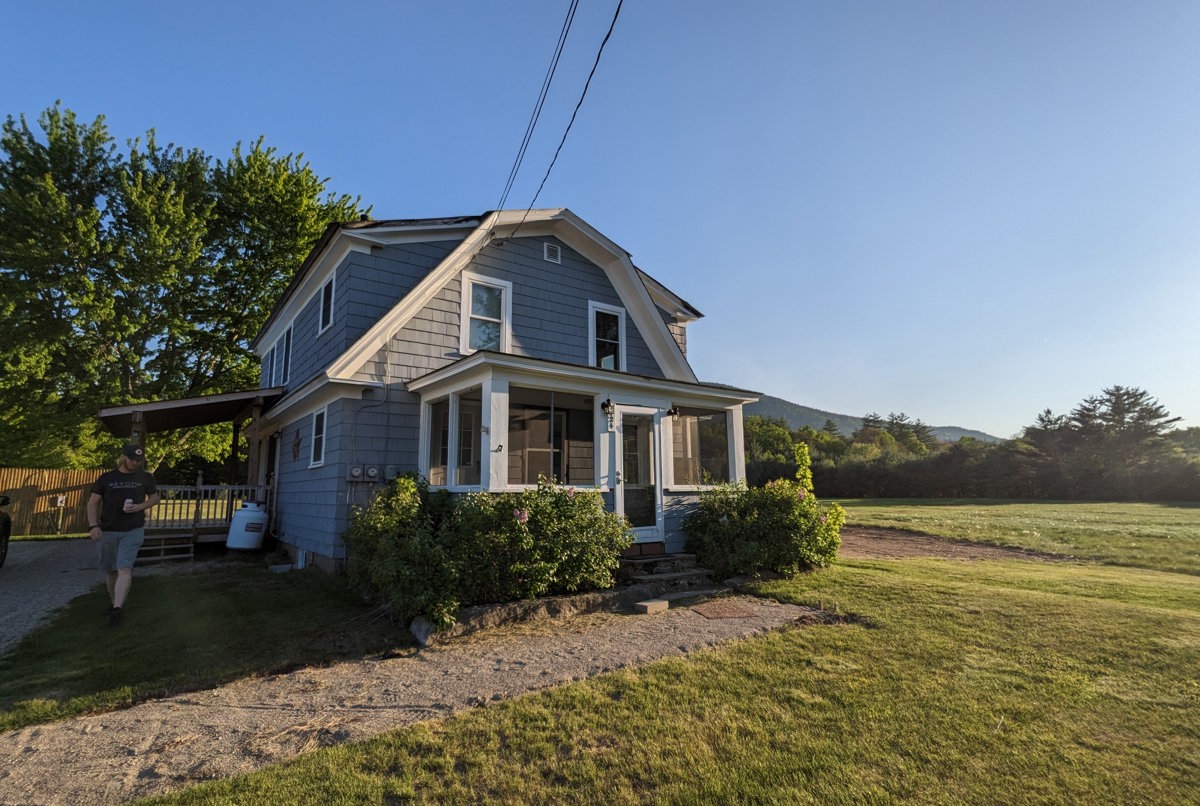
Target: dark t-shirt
pixel 114 487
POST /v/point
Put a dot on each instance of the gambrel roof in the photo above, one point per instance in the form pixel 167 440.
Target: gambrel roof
pixel 639 292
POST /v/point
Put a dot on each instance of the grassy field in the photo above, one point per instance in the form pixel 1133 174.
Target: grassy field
pixel 185 632
pixel 1160 536
pixel 960 682
pixel 967 683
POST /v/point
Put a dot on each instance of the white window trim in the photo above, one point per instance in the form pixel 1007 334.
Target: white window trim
pixel 464 320
pixel 427 441
pixel 593 307
pixel 313 460
pixel 331 283
pixel 669 469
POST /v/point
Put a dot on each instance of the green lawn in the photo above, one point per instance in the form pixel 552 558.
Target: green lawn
pixel 1160 536
pixel 961 682
pixel 968 683
pixel 185 632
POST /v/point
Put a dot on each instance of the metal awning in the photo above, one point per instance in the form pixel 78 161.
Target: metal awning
pixel 167 415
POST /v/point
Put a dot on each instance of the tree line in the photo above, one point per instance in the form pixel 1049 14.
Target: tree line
pixel 1118 445
pixel 137 273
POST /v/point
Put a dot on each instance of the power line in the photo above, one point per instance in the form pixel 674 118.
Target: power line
pixel 537 108
pixel 571 122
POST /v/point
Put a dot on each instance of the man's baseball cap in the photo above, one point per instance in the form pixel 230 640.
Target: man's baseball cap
pixel 134 452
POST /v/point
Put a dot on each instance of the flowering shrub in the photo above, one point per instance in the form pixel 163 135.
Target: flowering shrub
pixel 780 527
pixel 425 554
pixel 394 555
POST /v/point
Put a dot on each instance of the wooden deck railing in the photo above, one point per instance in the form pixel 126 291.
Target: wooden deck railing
pixel 198 508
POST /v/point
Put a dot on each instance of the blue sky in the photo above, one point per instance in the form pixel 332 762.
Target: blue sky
pixel 965 211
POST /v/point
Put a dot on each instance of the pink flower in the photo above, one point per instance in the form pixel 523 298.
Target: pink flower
pixel 800 495
pixel 521 515
pixel 824 518
pixel 570 492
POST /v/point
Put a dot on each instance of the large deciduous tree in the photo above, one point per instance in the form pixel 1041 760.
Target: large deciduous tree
pixel 136 274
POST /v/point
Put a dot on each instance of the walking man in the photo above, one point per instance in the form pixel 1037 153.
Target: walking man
pixel 116 520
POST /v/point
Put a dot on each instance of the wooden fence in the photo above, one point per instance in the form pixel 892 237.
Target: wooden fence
pixel 54 502
pixel 48 502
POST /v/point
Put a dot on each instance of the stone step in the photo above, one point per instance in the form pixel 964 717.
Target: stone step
pixel 632 568
pixel 675 580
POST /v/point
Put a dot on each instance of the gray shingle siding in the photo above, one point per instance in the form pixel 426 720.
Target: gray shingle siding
pixel 676 507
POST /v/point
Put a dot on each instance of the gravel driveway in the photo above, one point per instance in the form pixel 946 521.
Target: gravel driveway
pixel 39 577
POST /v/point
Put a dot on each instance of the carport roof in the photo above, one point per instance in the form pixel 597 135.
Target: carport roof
pixel 167 415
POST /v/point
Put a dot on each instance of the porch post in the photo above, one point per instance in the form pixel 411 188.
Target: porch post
pixel 493 471
pixel 737 443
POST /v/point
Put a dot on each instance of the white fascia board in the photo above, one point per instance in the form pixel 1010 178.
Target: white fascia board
pixel 319 392
pixel 578 378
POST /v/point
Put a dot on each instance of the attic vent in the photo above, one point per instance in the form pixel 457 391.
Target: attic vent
pixel 552 252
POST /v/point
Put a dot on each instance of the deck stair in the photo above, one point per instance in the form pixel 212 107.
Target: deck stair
pixel 159 548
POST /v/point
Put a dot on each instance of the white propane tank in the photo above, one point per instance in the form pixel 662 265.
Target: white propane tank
pixel 247 528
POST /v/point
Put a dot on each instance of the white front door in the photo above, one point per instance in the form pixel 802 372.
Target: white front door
pixel 639 472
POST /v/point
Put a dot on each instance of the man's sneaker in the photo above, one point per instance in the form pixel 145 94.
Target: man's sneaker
pixel 114 616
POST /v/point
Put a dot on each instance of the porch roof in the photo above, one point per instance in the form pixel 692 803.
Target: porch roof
pixel 486 359
pixel 167 415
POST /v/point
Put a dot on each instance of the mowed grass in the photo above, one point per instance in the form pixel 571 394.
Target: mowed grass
pixel 185 632
pixel 1160 536
pixel 996 682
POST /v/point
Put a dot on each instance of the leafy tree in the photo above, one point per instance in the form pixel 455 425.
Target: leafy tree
pixel 136 275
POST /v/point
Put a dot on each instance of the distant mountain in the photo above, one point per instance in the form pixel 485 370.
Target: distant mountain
pixel 798 416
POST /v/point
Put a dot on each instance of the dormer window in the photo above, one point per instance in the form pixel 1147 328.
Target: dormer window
pixel 606 343
pixel 487 314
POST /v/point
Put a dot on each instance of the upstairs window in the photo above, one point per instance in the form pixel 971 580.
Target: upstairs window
pixel 606 346
pixel 326 306
pixel 487 314
pixel 281 355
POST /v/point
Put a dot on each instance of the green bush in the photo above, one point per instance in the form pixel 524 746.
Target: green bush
pixel 779 527
pixel 393 554
pixel 429 554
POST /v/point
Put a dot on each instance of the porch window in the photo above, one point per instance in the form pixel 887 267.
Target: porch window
pixel 700 447
pixel 487 314
pixel 466 444
pixel 606 348
pixel 550 434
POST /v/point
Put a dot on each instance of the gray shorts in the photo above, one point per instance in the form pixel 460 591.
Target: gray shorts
pixel 120 549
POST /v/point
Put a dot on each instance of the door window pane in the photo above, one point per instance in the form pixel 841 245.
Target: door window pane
pixel 637 469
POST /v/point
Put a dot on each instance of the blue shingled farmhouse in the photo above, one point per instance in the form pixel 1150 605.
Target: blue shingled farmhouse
pixel 482 353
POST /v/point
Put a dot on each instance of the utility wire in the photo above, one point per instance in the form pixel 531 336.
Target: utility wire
pixel 537 108
pixel 571 122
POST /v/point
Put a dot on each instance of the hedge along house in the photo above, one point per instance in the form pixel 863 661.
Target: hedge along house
pixel 484 353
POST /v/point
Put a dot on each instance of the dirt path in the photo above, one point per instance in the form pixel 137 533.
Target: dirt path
pixel 165 745
pixel 865 543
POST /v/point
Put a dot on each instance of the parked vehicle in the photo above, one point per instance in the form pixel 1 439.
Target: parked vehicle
pixel 5 528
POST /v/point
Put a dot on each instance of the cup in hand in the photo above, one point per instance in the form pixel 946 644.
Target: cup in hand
pixel 128 505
